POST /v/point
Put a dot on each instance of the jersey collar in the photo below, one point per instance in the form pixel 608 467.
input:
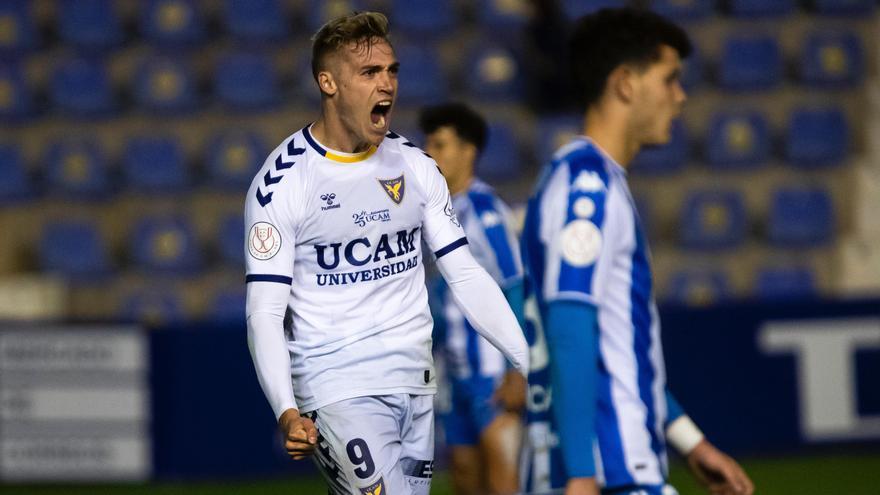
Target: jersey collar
pixel 336 156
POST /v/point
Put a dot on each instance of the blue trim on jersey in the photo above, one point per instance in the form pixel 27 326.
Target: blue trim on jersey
pixel 640 305
pixel 450 247
pixel 496 234
pixel 314 144
pixel 585 161
pixel 673 408
pixel 608 431
pixel 281 279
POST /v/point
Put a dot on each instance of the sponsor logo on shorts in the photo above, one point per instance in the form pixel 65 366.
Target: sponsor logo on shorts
pixel 377 488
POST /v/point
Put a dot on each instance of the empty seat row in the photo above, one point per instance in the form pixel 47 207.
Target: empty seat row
pixel 700 287
pixel 701 9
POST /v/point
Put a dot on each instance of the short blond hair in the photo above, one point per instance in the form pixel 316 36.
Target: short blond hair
pixel 361 28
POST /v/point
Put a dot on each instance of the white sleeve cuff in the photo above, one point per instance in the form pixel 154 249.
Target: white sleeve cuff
pixel 683 435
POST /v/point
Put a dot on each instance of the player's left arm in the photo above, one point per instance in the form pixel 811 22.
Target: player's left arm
pixel 475 292
pixel 716 470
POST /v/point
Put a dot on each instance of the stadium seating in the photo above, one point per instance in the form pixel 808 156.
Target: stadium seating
pixel 230 240
pixel 761 8
pixel 493 74
pixel 712 220
pixel 165 244
pixel 256 20
pixel 80 87
pixel 833 59
pixel 77 168
pixel 153 307
pixel 816 137
pixel 693 287
pixel 750 62
pixel 16 184
pixel 233 157
pixel 90 24
pixel 75 249
pixel 498 15
pixel 320 11
pixel 667 158
pixel 801 217
pixel 774 282
pixel 423 17
pixel 18 31
pixel 16 99
pixel 245 81
pixel 228 307
pixel 683 10
pixel 155 165
pixel 576 8
pixel 165 85
pixel 554 131
pixel 852 8
pixel 422 81
pixel 172 23
pixel 500 160
pixel 692 75
pixel 738 139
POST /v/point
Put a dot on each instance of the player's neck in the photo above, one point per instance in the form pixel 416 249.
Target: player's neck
pixel 610 132
pixel 332 134
pixel 461 185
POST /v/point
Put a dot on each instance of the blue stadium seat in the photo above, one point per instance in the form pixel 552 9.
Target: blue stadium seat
pixel 713 220
pixel 801 217
pixel 231 240
pixel 90 24
pixel 817 137
pixel 75 249
pixel 165 85
pixel 165 244
pixel 18 31
pixel 155 165
pixel 832 59
pixel 500 160
pixel 555 131
pixel 667 158
pixel 693 72
pixel 423 17
pixel 750 62
pixel 16 184
pixel 77 168
pixel 16 99
pixel 738 139
pixel 493 73
pixel 853 8
pixel 247 81
pixel 422 81
pixel 684 10
pixel 576 8
pixel 234 157
pixel 256 20
pixel 81 87
pixel 320 11
pixel 497 15
pixel 699 288
pixel 172 22
pixel 153 307
pixel 761 8
pixel 228 307
pixel 776 283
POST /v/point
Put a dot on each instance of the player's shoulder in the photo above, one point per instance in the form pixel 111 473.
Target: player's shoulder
pixel 286 160
pixel 409 151
pixel 481 193
pixel 585 165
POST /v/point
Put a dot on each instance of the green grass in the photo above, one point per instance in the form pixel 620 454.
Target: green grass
pixel 826 475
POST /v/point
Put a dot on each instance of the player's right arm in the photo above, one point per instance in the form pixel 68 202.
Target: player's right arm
pixel 269 251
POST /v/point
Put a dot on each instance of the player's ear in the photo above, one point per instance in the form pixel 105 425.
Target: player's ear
pixel 621 82
pixel 326 83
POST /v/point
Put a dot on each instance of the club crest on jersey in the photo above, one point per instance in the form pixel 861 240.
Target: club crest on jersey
pixel 394 188
pixel 377 488
pixel 264 241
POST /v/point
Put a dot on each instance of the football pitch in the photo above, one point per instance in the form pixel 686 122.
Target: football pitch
pixel 825 475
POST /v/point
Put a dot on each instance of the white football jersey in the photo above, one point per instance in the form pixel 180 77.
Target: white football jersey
pixel 345 231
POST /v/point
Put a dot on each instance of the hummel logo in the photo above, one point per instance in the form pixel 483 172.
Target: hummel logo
pixel 328 198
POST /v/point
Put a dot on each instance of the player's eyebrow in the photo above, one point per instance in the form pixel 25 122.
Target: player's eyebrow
pixel 376 67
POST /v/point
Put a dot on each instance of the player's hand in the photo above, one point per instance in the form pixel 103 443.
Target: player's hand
pixel 581 486
pixel 511 393
pixel 718 471
pixel 300 434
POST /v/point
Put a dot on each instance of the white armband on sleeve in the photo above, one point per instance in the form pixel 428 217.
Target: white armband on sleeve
pixel 484 305
pixel 268 346
pixel 683 434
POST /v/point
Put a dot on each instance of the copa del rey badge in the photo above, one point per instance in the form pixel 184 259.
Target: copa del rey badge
pixel 264 241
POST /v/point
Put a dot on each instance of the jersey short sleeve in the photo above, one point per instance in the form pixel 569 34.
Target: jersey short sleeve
pixel 580 239
pixel 442 230
pixel 497 226
pixel 270 237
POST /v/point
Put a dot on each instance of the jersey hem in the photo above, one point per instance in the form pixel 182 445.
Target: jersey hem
pixel 314 405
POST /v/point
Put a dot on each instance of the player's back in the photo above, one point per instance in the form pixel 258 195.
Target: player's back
pixel 348 229
pixel 582 242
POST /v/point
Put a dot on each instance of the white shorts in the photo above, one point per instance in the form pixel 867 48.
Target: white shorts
pixel 377 444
